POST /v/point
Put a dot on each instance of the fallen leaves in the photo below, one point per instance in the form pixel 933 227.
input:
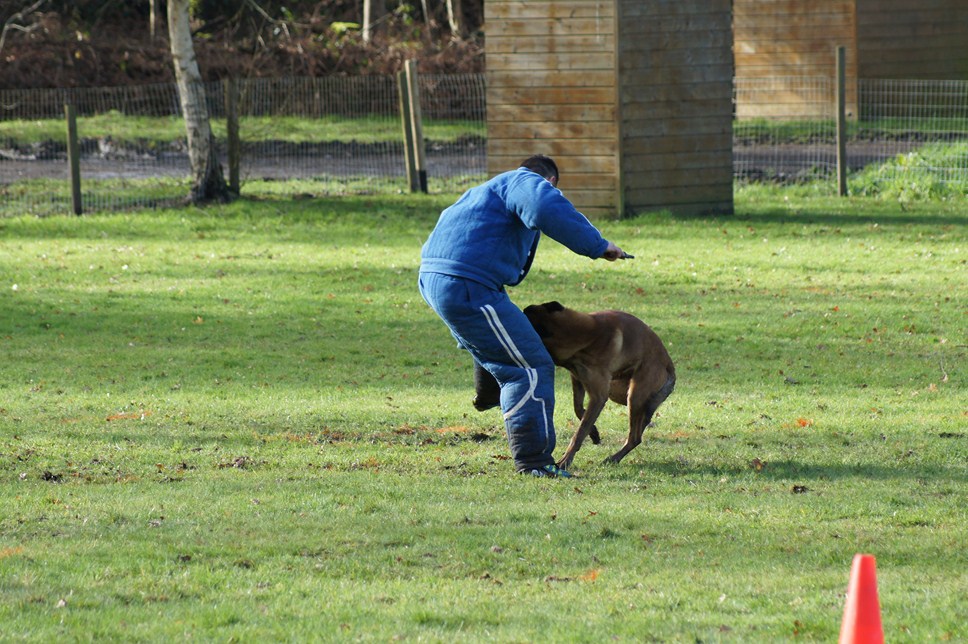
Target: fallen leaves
pixel 457 429
pixel 10 552
pixel 239 463
pixel 589 576
pixel 371 464
pixel 134 415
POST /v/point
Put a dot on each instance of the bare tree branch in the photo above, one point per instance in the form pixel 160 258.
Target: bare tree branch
pixel 11 24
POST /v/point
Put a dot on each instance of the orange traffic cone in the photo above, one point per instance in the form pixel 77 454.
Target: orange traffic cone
pixel 862 612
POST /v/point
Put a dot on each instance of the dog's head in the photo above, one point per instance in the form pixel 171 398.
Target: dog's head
pixel 540 317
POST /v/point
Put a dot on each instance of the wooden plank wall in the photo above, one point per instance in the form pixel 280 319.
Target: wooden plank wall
pixel 792 39
pixel 676 78
pixel 551 89
pixel 908 39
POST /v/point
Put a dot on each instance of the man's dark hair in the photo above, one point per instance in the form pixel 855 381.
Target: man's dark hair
pixel 543 165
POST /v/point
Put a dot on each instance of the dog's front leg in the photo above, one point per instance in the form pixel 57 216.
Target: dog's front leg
pixel 578 399
pixel 596 403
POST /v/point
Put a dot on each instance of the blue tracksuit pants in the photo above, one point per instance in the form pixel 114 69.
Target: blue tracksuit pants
pixel 497 333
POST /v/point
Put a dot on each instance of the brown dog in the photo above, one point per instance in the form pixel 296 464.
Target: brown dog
pixel 610 354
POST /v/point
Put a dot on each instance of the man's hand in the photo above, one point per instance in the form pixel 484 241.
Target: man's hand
pixel 613 252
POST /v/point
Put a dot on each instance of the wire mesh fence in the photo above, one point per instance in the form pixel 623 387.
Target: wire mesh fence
pixel 904 131
pixel 307 135
pixel 785 129
pixel 343 135
pixel 922 124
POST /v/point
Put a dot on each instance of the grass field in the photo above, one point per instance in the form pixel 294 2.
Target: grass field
pixel 160 131
pixel 243 424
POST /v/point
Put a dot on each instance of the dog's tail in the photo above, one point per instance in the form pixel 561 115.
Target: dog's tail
pixel 663 392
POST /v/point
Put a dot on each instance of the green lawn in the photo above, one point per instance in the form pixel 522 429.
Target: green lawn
pixel 242 423
pixel 163 130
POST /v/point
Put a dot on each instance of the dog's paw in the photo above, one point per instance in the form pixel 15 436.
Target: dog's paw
pixel 614 459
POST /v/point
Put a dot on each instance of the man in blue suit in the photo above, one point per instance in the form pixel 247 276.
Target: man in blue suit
pixel 482 243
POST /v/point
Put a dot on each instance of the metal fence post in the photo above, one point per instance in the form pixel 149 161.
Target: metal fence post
pixel 232 133
pixel 841 121
pixel 73 158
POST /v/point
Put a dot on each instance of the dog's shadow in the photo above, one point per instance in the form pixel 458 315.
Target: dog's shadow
pixel 781 470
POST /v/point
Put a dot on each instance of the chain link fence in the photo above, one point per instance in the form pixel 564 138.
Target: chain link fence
pixel 924 124
pixel 331 135
pixel 784 129
pixel 904 130
pixel 343 135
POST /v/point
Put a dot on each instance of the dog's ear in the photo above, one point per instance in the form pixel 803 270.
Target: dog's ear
pixel 553 307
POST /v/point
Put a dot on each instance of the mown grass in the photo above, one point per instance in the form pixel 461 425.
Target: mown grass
pixel 768 130
pixel 243 423
pixel 163 130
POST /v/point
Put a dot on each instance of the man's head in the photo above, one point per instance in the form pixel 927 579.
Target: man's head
pixel 544 166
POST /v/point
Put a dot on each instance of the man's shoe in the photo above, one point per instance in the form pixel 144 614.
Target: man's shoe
pixel 549 471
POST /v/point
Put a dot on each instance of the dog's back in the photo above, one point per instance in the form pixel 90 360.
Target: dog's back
pixel 632 338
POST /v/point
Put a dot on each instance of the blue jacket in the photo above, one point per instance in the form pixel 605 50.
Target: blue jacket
pixel 491 233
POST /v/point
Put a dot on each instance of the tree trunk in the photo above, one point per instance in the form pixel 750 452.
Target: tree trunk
pixel 152 18
pixel 455 16
pixel 373 13
pixel 426 13
pixel 208 182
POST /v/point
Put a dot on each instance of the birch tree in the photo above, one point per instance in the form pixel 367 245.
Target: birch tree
pixel 373 13
pixel 208 182
pixel 455 17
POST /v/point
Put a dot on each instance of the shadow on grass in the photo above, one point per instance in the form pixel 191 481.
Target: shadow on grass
pixel 789 470
pixel 889 217
pixel 388 217
pixel 843 212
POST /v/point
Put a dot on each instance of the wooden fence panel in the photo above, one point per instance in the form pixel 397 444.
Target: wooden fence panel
pixel 624 94
pixel 551 90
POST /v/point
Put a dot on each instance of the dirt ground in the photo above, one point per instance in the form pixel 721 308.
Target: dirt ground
pixel 783 163
pixel 323 159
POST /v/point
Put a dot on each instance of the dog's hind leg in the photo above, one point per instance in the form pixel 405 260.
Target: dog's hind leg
pixel 642 407
pixel 578 399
